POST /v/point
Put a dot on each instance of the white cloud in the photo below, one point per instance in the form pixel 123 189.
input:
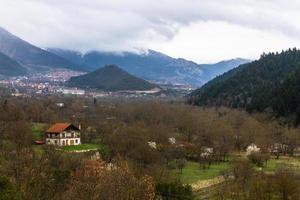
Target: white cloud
pixel 202 30
pixel 214 41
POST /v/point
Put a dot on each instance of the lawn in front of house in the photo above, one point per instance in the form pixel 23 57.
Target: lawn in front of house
pixel 81 147
pixel 38 130
pixel 192 172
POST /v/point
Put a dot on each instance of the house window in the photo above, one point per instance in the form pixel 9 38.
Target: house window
pixel 76 141
pixel 63 135
pixel 55 141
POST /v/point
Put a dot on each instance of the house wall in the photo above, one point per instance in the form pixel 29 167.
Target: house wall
pixel 63 142
pixel 65 138
pixel 70 134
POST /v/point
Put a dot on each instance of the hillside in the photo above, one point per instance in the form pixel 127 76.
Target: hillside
pixel 152 65
pixel 110 78
pixel 33 57
pixel 9 67
pixel 269 82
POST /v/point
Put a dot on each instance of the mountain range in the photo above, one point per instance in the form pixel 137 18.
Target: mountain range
pixel 110 78
pixel 271 83
pixel 150 65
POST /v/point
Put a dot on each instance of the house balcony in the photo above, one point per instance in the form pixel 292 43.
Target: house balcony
pixel 66 137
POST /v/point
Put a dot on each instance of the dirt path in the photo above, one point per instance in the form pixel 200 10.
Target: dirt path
pixel 199 185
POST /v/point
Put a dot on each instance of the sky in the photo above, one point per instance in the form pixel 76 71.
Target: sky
pixel 204 31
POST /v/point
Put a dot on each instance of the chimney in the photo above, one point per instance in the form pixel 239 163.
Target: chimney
pixel 79 127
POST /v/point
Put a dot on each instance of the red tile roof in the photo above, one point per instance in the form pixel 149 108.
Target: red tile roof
pixel 58 127
pixel 39 142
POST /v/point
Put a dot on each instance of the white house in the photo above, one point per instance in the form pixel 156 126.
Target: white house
pixel 63 134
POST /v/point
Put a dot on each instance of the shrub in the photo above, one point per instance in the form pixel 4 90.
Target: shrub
pixel 258 159
pixel 174 190
pixel 181 163
pixel 7 190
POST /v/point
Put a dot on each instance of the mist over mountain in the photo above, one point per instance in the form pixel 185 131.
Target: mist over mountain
pixel 110 78
pixel 29 55
pixel 152 65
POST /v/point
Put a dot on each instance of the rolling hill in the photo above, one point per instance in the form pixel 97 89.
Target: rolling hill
pixel 272 82
pixel 9 67
pixel 110 78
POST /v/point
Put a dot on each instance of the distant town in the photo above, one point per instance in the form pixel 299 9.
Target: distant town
pixel 52 82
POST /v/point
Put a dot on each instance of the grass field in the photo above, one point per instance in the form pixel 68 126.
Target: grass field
pixel 273 163
pixel 192 172
pixel 81 147
pixel 38 130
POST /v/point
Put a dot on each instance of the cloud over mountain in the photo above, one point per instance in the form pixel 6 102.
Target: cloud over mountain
pixel 118 25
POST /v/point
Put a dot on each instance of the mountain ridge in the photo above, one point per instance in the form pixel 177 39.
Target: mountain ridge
pixel 153 65
pixel 30 55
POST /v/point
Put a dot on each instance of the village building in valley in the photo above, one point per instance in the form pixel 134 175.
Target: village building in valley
pixel 63 134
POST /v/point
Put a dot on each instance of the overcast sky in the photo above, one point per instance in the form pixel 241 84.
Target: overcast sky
pixel 201 30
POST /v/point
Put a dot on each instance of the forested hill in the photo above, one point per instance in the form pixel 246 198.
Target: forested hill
pixel 270 82
pixel 287 101
pixel 110 78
